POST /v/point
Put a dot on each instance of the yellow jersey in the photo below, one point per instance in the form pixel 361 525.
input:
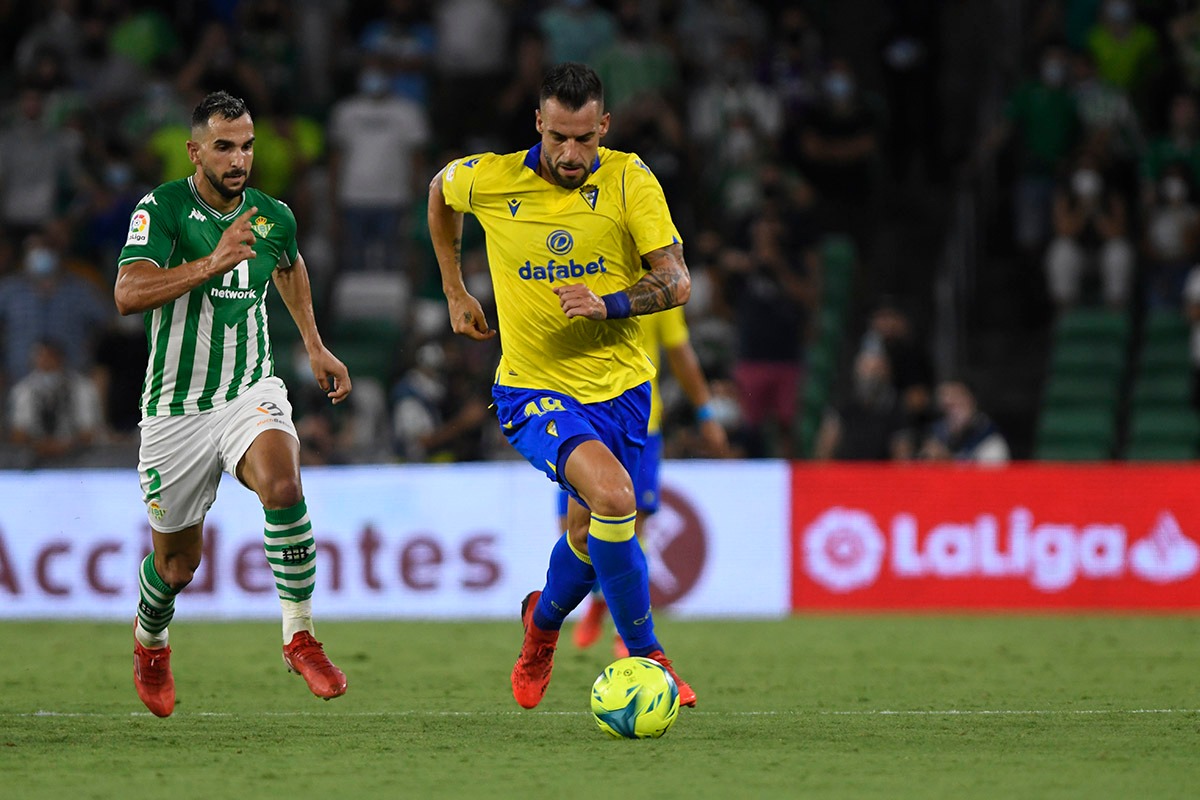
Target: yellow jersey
pixel 659 331
pixel 540 235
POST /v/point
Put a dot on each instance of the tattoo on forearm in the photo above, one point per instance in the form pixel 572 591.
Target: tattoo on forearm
pixel 659 289
pixel 458 250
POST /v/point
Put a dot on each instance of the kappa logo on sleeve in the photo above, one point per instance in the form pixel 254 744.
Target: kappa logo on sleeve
pixel 139 228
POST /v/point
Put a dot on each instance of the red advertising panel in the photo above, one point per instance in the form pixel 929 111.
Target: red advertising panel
pixel 1104 537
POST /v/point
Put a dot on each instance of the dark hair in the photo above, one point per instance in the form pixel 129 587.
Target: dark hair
pixel 221 104
pixel 572 84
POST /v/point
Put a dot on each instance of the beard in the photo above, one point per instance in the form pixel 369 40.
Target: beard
pixel 564 181
pixel 219 185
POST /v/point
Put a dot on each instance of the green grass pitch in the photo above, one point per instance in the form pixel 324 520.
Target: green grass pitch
pixel 814 706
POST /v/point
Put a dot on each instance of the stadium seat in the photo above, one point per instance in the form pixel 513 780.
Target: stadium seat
pixel 1092 325
pixel 1171 388
pixel 822 362
pixel 1161 451
pixel 1077 426
pixel 816 395
pixel 1165 425
pixel 1073 451
pixel 1072 390
pixel 369 347
pixel 1165 357
pixel 1083 358
pixel 376 295
pixel 1165 326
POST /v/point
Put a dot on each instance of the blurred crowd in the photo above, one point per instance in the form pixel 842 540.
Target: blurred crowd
pixel 757 121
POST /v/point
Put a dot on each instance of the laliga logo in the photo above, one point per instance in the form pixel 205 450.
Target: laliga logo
pixel 844 550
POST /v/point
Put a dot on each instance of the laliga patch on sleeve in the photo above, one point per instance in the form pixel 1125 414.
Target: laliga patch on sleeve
pixel 139 227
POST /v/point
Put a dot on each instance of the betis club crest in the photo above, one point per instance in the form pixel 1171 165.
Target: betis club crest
pixel 261 226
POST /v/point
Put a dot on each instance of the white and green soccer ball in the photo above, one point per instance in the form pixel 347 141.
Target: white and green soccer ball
pixel 635 698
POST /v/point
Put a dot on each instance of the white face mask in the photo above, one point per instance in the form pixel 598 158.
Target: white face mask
pixel 1174 188
pixel 1054 72
pixel 839 86
pixel 1087 183
pixel 40 262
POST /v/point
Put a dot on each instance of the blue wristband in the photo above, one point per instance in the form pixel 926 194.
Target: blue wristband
pixel 616 305
pixel 704 413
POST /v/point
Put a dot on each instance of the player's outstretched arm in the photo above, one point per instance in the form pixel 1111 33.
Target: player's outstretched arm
pixel 296 290
pixel 666 285
pixel 445 229
pixel 143 286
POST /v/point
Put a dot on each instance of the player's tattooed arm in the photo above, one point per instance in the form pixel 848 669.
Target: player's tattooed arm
pixel 666 285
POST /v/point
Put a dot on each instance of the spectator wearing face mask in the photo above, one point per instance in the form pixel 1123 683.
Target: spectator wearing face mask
pixel 377 141
pixel 869 425
pixel 1126 50
pixel 55 411
pixel 1172 232
pixel 963 432
pixel 1042 124
pixel 1090 233
pixel 841 149
pixel 46 302
pixel 1180 142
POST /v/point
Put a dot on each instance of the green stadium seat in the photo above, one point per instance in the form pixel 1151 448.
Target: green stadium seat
pixel 1071 390
pixel 822 362
pixel 1087 358
pixel 816 394
pixel 1161 451
pixel 1077 425
pixel 1073 451
pixel 367 360
pixel 1178 425
pixel 1166 326
pixel 1165 357
pixel 1093 325
pixel 1173 388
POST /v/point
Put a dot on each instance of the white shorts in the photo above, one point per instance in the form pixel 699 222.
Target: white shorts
pixel 181 458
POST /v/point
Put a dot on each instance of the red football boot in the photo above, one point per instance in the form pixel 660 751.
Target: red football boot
pixel 687 697
pixel 153 679
pixel 588 630
pixel 305 657
pixel 531 674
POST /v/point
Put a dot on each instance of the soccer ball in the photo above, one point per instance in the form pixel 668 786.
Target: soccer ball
pixel 635 698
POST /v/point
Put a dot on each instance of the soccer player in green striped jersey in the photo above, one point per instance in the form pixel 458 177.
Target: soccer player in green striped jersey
pixel 197 260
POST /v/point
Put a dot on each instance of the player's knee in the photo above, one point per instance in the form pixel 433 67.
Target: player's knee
pixel 613 498
pixel 281 493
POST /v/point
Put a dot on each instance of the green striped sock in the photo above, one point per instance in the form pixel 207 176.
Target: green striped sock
pixel 156 602
pixel 291 551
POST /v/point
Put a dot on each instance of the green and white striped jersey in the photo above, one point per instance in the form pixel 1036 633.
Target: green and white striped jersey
pixel 211 344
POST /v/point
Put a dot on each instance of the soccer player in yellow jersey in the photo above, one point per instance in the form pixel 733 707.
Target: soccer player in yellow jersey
pixel 579 240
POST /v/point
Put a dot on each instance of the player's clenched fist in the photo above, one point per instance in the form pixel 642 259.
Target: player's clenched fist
pixel 577 300
pixel 466 317
pixel 237 243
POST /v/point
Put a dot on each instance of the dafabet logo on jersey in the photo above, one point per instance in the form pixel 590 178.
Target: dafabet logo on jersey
pixel 139 227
